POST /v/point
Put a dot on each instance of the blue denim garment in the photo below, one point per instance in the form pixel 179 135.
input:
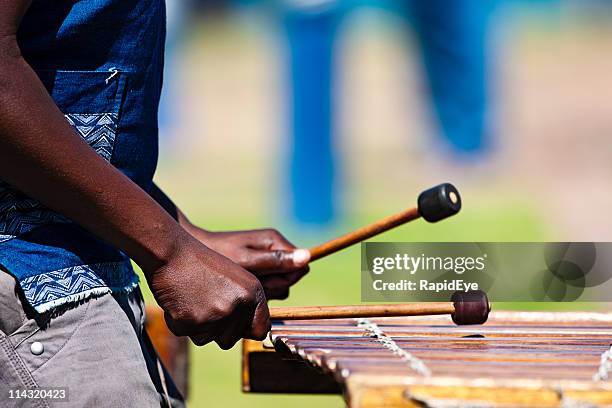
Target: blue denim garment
pixel 101 61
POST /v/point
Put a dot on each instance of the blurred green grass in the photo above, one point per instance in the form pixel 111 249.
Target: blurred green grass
pixel 215 374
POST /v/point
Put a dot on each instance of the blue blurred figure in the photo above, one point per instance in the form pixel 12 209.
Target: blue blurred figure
pixel 176 16
pixel 311 28
pixel 453 42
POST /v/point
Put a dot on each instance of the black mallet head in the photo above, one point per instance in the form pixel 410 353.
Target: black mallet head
pixel 439 202
pixel 471 307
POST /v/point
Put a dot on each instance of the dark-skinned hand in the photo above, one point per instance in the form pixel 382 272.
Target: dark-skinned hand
pixel 208 297
pixel 265 253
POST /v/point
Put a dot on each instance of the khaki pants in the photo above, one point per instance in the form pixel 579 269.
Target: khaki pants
pixel 97 351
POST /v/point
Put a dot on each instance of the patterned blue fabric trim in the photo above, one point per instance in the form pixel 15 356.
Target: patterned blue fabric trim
pixel 51 289
pixel 19 213
pixel 98 130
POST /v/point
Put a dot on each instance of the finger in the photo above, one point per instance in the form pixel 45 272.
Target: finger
pixel 276 292
pixel 279 241
pixel 233 331
pixel 264 262
pixel 301 257
pixel 270 262
pixel 261 320
pixel 270 239
pixel 175 327
pixel 202 339
pixel 277 286
pixel 285 280
pixel 199 335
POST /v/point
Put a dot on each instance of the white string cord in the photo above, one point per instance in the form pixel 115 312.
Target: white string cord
pixel 605 365
pixel 372 330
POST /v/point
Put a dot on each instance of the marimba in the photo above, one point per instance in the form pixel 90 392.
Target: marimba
pixel 516 359
pixel 173 351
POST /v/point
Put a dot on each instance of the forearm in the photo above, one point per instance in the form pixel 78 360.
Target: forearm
pixel 102 200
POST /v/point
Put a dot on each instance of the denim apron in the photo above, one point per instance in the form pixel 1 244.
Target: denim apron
pixel 101 61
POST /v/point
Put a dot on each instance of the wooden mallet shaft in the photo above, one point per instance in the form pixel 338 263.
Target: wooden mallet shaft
pixel 434 204
pixel 349 312
pixel 363 233
pixel 470 307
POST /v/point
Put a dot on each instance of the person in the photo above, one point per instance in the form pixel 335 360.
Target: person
pixel 79 89
pixel 314 186
pixel 455 53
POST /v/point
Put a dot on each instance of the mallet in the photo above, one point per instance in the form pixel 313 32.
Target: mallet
pixel 433 205
pixel 470 307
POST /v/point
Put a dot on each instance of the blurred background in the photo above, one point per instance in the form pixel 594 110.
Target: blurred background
pixel 318 116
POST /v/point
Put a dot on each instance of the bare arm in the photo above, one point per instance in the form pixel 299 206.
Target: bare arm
pixel 205 295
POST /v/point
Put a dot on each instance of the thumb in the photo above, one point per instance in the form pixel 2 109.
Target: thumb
pixel 301 257
pixel 276 261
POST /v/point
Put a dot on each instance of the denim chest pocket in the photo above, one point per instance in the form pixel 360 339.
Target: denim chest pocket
pixel 91 102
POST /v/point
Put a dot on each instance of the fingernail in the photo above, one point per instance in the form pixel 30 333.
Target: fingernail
pixel 301 257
